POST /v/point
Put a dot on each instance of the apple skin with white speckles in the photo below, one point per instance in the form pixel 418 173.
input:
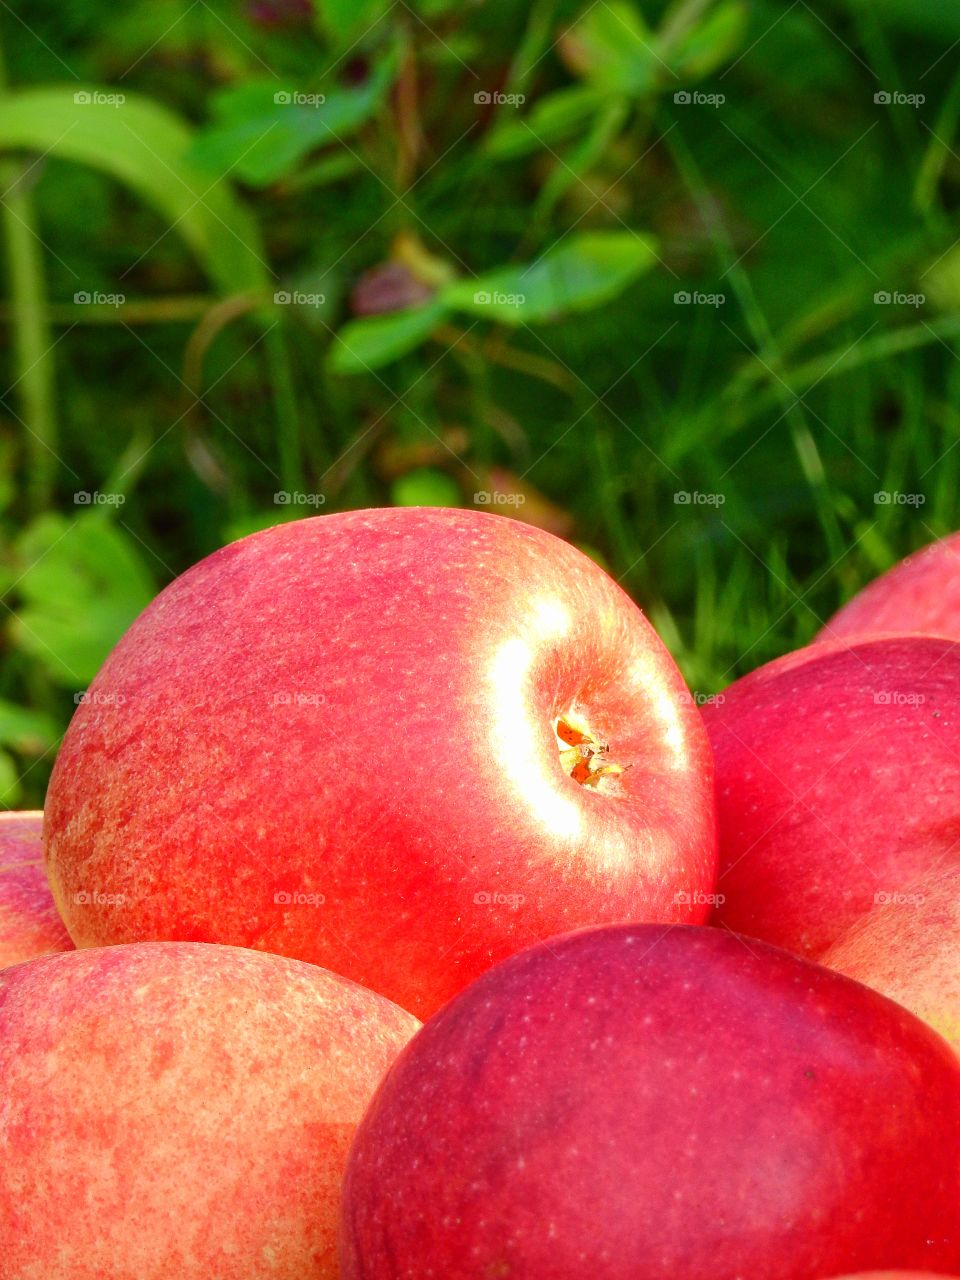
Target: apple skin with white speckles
pixel 29 923
pixel 336 740
pixel 181 1111
pixel 920 593
pixel 647 1103
pixel 838 780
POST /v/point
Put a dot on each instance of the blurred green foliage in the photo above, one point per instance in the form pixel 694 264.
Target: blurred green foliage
pixel 682 276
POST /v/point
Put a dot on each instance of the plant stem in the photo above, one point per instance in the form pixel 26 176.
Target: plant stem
pixel 285 405
pixel 32 338
pixel 32 333
pixel 33 361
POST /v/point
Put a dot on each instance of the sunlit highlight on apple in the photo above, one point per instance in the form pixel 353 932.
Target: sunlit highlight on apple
pixel 509 680
pixel 662 702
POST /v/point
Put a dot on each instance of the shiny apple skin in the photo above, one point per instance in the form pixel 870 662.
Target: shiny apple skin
pixel 646 1103
pixel 838 779
pixel 178 1111
pixel 29 923
pixel 360 707
pixel 921 593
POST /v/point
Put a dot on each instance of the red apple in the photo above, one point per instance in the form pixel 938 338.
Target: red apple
pixel 29 923
pixel 181 1110
pixel 897 1275
pixel 838 778
pixel 646 1103
pixel 338 740
pixel 921 593
pixel 908 947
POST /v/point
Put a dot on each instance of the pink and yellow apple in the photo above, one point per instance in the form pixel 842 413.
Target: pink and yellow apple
pixel 897 1275
pixel 29 923
pixel 921 593
pixel 402 744
pixel 908 947
pixel 181 1110
pixel 648 1103
pixel 838 780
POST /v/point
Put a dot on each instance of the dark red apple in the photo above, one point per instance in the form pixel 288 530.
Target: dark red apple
pixel 29 923
pixel 838 779
pixel 181 1110
pixel 908 947
pixel 402 744
pixel 647 1103
pixel 921 593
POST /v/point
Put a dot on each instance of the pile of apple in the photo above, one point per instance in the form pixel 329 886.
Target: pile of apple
pixel 398 914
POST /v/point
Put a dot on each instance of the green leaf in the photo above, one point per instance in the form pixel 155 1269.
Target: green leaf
pixel 425 487
pixel 941 282
pixel 553 119
pixel 27 731
pixel 341 20
pixel 261 133
pixel 10 787
pixel 373 341
pixel 144 146
pixel 613 47
pixel 581 273
pixel 582 155
pixel 710 43
pixel 82 583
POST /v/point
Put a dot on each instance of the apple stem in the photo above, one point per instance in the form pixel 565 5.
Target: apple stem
pixel 581 752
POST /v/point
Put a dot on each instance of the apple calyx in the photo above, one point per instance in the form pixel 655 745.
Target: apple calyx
pixel 582 752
